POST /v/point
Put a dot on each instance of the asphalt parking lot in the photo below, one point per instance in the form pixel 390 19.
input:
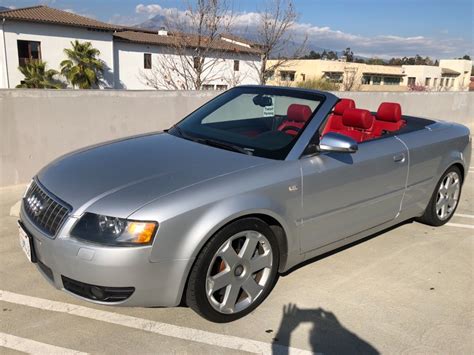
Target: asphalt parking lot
pixel 408 290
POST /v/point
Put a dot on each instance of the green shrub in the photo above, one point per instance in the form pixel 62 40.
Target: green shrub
pixel 318 84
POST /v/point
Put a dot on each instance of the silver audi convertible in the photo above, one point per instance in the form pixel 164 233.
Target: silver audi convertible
pixel 253 183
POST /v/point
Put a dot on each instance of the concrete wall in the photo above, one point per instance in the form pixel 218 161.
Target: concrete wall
pixel 38 125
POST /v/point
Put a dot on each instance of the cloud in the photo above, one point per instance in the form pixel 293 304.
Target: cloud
pixel 384 45
pixel 379 45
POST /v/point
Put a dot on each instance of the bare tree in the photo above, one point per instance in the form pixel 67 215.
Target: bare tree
pixel 193 37
pixel 350 79
pixel 274 35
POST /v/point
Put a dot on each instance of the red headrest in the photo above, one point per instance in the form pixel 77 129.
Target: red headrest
pixel 343 105
pixel 298 113
pixel 357 118
pixel 389 112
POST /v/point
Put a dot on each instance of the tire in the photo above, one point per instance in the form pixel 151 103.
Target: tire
pixel 244 256
pixel 433 215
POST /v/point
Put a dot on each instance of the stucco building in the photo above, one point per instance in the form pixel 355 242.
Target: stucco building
pixel 450 75
pixel 349 76
pixel 42 33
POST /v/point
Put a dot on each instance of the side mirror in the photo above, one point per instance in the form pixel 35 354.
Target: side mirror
pixel 334 142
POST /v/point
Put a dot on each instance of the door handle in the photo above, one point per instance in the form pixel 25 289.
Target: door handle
pixel 399 158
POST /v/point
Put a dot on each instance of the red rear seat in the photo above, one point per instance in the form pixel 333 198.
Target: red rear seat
pixel 335 119
pixel 296 116
pixel 388 118
pixel 358 124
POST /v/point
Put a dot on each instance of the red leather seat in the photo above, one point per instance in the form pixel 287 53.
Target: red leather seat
pixel 296 117
pixel 358 124
pixel 335 119
pixel 388 118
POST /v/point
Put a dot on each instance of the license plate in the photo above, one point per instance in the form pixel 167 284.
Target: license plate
pixel 26 243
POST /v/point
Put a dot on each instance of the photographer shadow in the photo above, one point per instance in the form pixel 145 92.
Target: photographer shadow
pixel 327 336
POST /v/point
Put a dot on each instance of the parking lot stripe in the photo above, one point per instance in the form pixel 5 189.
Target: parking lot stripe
pixel 170 330
pixel 33 347
pixel 464 215
pixel 460 225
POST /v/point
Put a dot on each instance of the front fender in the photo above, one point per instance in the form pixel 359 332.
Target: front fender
pixel 183 236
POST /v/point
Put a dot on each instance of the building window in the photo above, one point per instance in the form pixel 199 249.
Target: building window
pixel 446 82
pixel 441 82
pixel 427 81
pixel 391 80
pixel 303 77
pixel 147 60
pixel 287 76
pixel 376 80
pixel 411 81
pixel 221 87
pixel 366 80
pixel 270 75
pixel 196 62
pixel 207 87
pixel 236 65
pixel 335 77
pixel 435 82
pixel 28 51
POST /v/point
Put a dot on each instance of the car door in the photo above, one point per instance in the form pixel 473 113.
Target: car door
pixel 344 194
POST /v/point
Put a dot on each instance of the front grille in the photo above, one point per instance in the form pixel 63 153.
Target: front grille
pixel 97 293
pixel 44 210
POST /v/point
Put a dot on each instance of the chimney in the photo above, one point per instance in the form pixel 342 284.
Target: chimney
pixel 162 31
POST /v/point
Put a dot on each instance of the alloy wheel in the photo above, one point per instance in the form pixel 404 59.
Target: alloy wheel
pixel 448 195
pixel 239 272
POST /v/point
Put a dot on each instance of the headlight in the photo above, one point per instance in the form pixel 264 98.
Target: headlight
pixel 114 231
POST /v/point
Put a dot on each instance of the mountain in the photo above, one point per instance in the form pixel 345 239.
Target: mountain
pixel 3 8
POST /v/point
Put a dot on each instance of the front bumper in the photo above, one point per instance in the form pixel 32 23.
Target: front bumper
pixel 158 283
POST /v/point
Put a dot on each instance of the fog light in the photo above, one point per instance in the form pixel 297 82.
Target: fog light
pixel 97 293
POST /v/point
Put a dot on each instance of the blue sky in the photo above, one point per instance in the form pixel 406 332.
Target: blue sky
pixel 382 28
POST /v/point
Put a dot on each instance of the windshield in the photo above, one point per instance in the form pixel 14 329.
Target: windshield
pixel 258 121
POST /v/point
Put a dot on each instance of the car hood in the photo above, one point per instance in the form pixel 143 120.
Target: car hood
pixel 132 172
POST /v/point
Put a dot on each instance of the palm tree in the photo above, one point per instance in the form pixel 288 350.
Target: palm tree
pixel 37 77
pixel 82 68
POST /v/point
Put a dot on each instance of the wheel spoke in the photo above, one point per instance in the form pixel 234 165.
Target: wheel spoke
pixel 249 246
pixel 440 202
pixel 219 281
pixel 447 182
pixel 260 262
pixel 251 287
pixel 229 255
pixel 443 210
pixel 230 297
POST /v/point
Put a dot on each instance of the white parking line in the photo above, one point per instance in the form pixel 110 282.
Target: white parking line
pixel 33 347
pixel 170 330
pixel 459 225
pixel 464 215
